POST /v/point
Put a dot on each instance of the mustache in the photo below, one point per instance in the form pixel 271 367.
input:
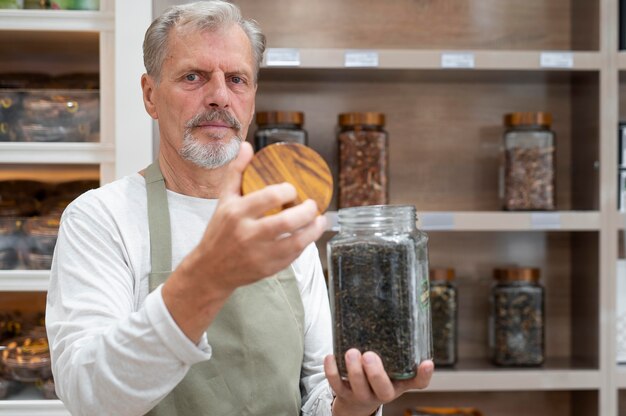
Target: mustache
pixel 216 114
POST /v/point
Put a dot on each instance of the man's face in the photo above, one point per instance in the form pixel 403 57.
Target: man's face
pixel 204 101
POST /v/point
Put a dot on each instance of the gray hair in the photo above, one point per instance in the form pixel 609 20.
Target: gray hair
pixel 201 15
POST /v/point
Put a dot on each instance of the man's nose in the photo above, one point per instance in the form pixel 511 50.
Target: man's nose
pixel 216 94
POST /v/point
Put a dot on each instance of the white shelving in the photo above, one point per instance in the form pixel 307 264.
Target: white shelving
pixel 57 20
pixel 57 153
pixel 24 280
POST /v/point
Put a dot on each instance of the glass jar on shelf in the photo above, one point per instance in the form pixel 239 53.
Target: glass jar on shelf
pixel 528 178
pixel 363 160
pixel 279 126
pixel 444 309
pixel 378 279
pixel 517 323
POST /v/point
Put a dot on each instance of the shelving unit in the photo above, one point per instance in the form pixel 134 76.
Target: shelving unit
pixel 445 127
pixel 107 42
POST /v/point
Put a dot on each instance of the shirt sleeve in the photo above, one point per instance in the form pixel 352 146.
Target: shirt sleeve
pixel 107 357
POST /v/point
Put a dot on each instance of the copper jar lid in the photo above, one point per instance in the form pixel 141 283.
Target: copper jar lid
pixel 352 119
pixel 280 117
pixel 517 274
pixel 441 274
pixel 529 118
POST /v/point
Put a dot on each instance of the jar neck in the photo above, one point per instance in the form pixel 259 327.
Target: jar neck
pixel 528 127
pixel 366 127
pixel 379 218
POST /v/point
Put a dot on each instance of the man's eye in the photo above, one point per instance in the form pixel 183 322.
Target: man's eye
pixel 237 80
pixel 191 77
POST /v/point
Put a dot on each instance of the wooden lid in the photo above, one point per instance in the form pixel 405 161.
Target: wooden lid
pixel 295 163
pixel 351 119
pixel 280 117
pixel 517 274
pixel 530 118
pixel 441 274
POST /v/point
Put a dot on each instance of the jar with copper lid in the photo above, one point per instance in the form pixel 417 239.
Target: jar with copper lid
pixel 279 126
pixel 363 160
pixel 517 322
pixel 444 310
pixel 528 179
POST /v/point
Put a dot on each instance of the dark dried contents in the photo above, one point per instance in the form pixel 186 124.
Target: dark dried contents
pixel 443 301
pixel 518 327
pixel 374 303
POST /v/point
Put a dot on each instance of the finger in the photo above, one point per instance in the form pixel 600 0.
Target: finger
pixel 289 220
pixel 378 379
pixel 356 376
pixel 257 203
pixel 298 240
pixel 333 376
pixel 232 184
pixel 421 381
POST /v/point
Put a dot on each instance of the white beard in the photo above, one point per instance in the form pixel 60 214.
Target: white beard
pixel 209 155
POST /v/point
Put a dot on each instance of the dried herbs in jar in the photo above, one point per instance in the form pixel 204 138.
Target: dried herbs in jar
pixel 363 160
pixel 378 274
pixel 517 320
pixel 443 301
pixel 528 180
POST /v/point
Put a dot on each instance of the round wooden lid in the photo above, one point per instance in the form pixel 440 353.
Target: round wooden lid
pixel 295 163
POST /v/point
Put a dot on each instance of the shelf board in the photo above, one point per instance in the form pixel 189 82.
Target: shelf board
pixel 621 376
pixel 621 60
pixel 30 402
pixel 500 221
pixel 24 280
pixel 53 153
pixel 312 58
pixel 57 20
pixel 515 380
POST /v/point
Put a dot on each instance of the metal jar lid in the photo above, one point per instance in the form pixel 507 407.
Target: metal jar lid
pixel 517 274
pixel 353 119
pixel 529 118
pixel 280 117
pixel 445 274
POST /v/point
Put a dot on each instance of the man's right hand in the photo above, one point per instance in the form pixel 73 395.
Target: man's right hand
pixel 240 246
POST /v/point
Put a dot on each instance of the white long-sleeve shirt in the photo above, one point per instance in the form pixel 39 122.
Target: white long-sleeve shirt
pixel 115 348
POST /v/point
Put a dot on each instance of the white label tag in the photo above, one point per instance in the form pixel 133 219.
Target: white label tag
pixel 556 60
pixel 282 57
pixel 545 220
pixel 361 59
pixel 457 60
pixel 436 221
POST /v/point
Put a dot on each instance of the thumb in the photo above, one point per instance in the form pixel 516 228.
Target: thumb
pixel 232 185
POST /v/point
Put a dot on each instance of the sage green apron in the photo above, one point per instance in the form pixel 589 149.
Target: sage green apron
pixel 257 339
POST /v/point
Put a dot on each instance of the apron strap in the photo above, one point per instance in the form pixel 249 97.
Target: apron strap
pixel 158 221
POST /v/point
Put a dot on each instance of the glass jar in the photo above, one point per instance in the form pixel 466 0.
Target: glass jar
pixel 279 126
pixel 378 274
pixel 363 160
pixel 528 180
pixel 443 303
pixel 516 328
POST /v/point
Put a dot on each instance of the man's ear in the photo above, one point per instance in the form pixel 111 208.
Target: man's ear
pixel 148 87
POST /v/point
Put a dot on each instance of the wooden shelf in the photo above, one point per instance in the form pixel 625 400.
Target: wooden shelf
pixel 56 20
pixel 54 153
pixel 24 280
pixel 500 221
pixel 327 58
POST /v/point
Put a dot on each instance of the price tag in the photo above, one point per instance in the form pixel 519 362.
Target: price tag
pixel 556 60
pixel 282 57
pixel 457 60
pixel 436 221
pixel 361 59
pixel 545 220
